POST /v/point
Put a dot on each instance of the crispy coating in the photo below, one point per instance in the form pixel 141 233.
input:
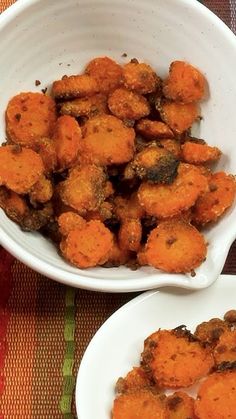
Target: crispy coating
pixel 210 206
pixel 130 235
pixel 128 208
pixel 139 404
pixel 30 116
pixel 117 256
pixel 185 83
pixel 45 147
pixel 41 191
pixel 155 164
pixel 175 360
pixel 89 246
pixel 85 106
pixel 178 116
pixel 210 331
pixel 106 72
pixel 140 77
pixel 104 213
pixel 175 246
pixel 35 219
pixel 173 146
pixel 67 137
pixel 107 141
pixel 74 87
pixel 137 378
pixel 141 257
pixel 180 406
pixel 20 168
pixel 69 221
pixel 225 350
pixel 83 190
pixel 13 204
pixel 165 201
pixel 217 396
pixel 126 104
pixel 154 129
pixel 195 153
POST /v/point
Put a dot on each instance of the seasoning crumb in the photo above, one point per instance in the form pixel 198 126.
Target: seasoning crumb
pixel 124 55
pixel 193 273
pixel 18 116
pixel 37 82
pixel 44 90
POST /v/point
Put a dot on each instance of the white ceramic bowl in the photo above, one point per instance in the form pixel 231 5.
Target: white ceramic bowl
pixel 42 39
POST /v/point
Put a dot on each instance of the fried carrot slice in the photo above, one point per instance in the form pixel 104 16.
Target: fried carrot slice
pixel 86 106
pixel 45 147
pixel 41 191
pixel 185 83
pixel 74 87
pixel 128 208
pixel 117 256
pixel 67 137
pixel 141 257
pixel 106 72
pixel 178 116
pixel 210 206
pixel 20 168
pixel 140 77
pixel 13 204
pixel 107 141
pixel 89 246
pixel 83 190
pixel 126 104
pixel 225 350
pixel 139 404
pixel 210 331
pixel 217 396
pixel 175 359
pixel 30 116
pixel 137 378
pixel 153 129
pixel 180 406
pixel 175 246
pixel 165 201
pixel 195 153
pixel 130 234
pixel 173 146
pixel 69 221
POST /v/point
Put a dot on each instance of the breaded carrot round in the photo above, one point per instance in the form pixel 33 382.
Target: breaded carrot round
pixel 217 396
pixel 174 359
pixel 210 331
pixel 153 129
pixel 20 168
pixel 45 147
pixel 135 379
pixel 83 190
pixel 180 406
pixel 30 116
pixel 225 350
pixel 165 201
pixel 107 141
pixel 140 77
pixel 74 86
pixel 185 83
pixel 106 72
pixel 126 104
pixel 86 106
pixel 67 137
pixel 178 116
pixel 175 246
pixel 13 204
pixel 89 246
pixel 41 191
pixel 130 235
pixel 69 221
pixel 139 404
pixel 211 205
pixel 195 153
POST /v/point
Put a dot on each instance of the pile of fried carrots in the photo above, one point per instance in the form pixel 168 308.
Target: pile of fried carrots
pixel 106 167
pixel 175 360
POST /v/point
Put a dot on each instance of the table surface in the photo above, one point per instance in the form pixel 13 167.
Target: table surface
pixel 45 327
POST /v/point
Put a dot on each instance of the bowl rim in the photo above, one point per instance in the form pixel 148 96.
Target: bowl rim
pixel 109 284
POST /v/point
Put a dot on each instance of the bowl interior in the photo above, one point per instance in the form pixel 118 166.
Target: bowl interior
pixel 43 40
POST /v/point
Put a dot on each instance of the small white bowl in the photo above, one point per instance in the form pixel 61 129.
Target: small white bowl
pixel 44 40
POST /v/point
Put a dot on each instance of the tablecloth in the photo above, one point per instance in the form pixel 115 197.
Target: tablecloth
pixel 45 327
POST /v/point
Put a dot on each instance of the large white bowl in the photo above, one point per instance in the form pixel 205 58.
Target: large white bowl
pixel 42 39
